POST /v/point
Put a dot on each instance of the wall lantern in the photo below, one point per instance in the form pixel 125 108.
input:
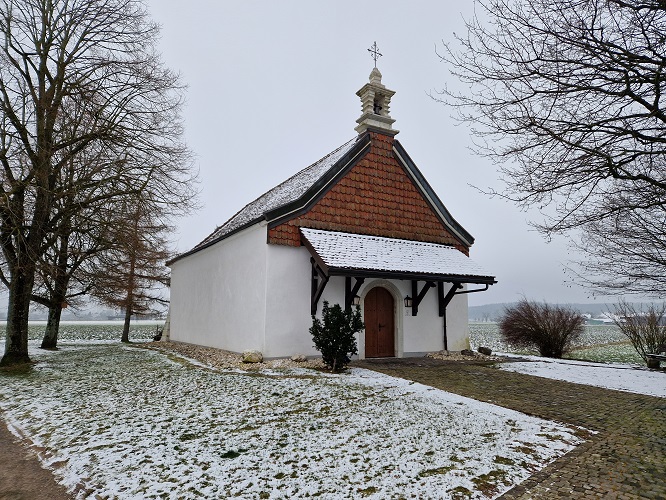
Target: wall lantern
pixel 356 301
pixel 408 301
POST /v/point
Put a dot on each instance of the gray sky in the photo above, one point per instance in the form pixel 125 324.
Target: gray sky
pixel 272 89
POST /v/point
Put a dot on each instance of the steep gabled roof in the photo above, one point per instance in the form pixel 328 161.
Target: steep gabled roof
pixel 282 194
pixel 430 195
pixel 299 191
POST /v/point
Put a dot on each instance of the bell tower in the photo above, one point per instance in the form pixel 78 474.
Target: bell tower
pixel 375 102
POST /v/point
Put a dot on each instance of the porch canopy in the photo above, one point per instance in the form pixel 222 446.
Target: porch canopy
pixel 361 256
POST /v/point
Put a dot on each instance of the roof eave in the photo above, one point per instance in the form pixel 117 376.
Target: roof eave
pixel 406 275
pixel 445 216
pixel 401 275
pixel 216 240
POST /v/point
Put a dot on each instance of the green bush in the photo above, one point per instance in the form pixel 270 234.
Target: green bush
pixel 335 336
pixel 550 329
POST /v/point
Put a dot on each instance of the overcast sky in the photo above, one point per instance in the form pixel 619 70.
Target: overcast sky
pixel 272 89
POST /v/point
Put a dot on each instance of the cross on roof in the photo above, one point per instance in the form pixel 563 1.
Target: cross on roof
pixel 374 52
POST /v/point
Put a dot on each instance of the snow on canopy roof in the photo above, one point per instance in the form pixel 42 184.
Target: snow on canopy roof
pixel 282 194
pixel 376 253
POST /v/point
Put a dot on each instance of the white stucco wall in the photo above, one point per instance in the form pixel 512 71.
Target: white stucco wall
pixel 288 302
pixel 242 293
pixel 457 322
pixel 218 294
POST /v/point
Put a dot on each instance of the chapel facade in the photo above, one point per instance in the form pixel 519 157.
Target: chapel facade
pixel 360 226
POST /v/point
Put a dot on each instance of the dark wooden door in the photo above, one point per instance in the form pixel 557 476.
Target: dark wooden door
pixel 379 323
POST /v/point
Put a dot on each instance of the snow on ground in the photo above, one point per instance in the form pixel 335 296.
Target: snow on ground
pixel 615 376
pixel 119 421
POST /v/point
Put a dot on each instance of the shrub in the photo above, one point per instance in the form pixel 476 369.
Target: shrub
pixel 550 329
pixel 335 336
pixel 644 329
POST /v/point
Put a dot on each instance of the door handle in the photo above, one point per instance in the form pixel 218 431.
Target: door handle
pixel 380 326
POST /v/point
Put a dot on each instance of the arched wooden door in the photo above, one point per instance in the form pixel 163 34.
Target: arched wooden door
pixel 379 323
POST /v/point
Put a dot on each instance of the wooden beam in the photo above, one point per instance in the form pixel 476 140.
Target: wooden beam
pixel 446 335
pixel 319 280
pixel 444 300
pixel 351 292
pixel 417 296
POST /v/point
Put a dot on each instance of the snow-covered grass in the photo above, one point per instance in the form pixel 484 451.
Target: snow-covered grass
pixel 90 331
pixel 125 422
pixel 598 343
pixel 615 376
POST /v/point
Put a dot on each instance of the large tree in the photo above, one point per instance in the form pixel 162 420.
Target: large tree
pixel 75 75
pixel 95 228
pixel 80 230
pixel 566 95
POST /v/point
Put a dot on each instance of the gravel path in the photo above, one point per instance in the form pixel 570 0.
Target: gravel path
pixel 21 474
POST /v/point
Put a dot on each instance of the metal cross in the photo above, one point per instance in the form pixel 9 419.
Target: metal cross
pixel 374 52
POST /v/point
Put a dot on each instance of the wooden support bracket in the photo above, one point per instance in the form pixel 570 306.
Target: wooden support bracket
pixel 351 292
pixel 417 296
pixel 444 300
pixel 319 281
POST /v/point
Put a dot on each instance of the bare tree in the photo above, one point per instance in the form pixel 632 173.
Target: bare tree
pixel 566 95
pixel 79 236
pixel 93 225
pixel 624 252
pixel 74 76
pixel 132 275
pixel 645 329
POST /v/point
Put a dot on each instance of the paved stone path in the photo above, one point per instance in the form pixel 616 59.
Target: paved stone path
pixel 626 459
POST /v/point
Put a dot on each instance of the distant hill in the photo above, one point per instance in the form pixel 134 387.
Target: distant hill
pixel 492 312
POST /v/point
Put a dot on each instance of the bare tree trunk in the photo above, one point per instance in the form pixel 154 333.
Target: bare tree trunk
pixel 16 343
pixel 59 292
pixel 126 325
pixel 50 340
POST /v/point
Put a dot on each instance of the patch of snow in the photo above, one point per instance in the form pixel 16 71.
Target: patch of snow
pixel 358 251
pixel 125 422
pixel 619 377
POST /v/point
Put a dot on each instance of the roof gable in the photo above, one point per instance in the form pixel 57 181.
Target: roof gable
pixel 302 191
pixel 430 194
pixel 382 194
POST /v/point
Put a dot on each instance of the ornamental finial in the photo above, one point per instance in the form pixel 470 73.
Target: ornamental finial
pixel 374 52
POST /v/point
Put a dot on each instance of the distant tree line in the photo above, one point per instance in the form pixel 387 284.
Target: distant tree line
pixel 94 167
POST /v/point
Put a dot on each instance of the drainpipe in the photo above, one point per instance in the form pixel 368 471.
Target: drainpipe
pixel 444 302
pixel 446 340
